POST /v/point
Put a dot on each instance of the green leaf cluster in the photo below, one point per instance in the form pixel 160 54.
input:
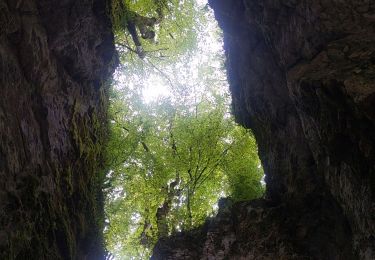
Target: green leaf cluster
pixel 196 145
pixel 175 31
pixel 171 159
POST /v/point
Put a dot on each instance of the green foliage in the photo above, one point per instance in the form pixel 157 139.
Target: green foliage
pixel 152 145
pixel 243 167
pixel 173 158
pixel 176 29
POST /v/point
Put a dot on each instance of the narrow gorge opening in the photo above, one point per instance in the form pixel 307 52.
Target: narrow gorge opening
pixel 174 149
pixel 301 74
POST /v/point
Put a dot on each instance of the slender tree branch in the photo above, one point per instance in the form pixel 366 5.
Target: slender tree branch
pixel 162 73
pixel 126 46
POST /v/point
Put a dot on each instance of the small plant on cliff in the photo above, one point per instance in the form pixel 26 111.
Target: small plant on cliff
pixel 174 148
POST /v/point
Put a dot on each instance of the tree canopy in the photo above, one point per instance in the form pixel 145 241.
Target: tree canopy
pixel 164 28
pixel 171 158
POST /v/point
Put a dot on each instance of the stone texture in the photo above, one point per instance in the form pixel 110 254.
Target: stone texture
pixel 302 76
pixel 55 57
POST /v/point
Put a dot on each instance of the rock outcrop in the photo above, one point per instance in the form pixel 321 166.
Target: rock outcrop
pixel 55 59
pixel 302 77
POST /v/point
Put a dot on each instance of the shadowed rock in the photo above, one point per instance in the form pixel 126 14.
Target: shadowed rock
pixel 301 75
pixel 55 57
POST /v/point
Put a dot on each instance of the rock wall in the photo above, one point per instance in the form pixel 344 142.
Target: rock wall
pixel 302 77
pixel 55 58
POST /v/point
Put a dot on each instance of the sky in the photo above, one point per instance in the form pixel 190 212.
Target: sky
pixel 155 86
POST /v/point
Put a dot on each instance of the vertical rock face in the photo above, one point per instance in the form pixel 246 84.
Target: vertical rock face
pixel 302 77
pixel 55 57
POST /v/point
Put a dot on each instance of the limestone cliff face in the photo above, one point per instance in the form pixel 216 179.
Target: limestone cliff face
pixel 302 77
pixel 55 57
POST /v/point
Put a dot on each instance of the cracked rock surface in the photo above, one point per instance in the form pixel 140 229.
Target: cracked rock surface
pixel 55 57
pixel 302 77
